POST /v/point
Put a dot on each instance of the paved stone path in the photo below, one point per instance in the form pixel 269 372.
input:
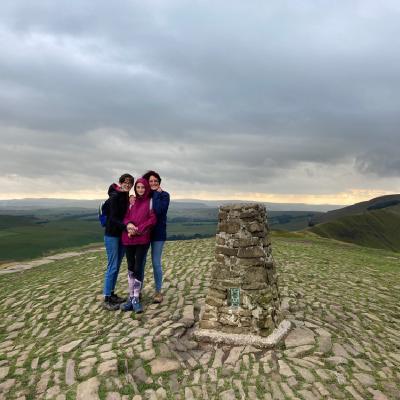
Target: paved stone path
pixel 9 268
pixel 58 343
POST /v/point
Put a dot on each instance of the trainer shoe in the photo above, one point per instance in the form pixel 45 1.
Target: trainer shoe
pixel 157 298
pixel 108 305
pixel 114 298
pixel 137 307
pixel 128 306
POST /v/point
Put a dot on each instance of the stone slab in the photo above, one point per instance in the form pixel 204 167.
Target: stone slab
pixel 271 341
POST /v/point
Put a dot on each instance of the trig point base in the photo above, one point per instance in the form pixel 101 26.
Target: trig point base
pixel 243 302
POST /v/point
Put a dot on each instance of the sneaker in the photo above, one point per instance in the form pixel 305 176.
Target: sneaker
pixel 116 299
pixel 108 305
pixel 128 306
pixel 137 307
pixel 157 298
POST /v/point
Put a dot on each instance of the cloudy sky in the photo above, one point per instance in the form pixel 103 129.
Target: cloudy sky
pixel 282 101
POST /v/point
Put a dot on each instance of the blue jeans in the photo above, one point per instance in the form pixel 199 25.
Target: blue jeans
pixel 115 253
pixel 156 252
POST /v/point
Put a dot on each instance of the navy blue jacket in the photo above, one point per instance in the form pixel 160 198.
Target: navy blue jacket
pixel 160 207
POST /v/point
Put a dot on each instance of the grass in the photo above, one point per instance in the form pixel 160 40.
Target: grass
pixel 21 242
pixel 376 228
pixel 27 234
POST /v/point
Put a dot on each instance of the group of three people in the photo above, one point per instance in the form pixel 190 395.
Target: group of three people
pixel 134 223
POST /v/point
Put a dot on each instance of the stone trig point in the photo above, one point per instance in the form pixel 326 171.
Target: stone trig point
pixel 243 302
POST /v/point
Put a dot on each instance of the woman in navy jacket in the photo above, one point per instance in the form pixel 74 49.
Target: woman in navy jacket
pixel 159 232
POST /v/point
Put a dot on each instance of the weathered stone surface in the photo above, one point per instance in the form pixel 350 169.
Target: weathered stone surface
pixel 15 327
pixel 140 375
pixel 244 262
pixel 251 252
pixel 113 396
pixel 4 372
pixel 234 355
pixel 53 392
pixel 88 390
pixel 70 346
pixel 147 355
pixel 334 361
pixel 284 369
pixel 268 342
pixel 160 365
pixel 298 351
pixel 300 337
pixel 188 316
pixel 324 344
pixel 6 385
pixel 70 372
pixel 227 395
pixel 109 367
pixel 365 379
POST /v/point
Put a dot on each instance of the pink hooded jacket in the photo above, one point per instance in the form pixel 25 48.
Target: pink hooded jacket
pixel 141 216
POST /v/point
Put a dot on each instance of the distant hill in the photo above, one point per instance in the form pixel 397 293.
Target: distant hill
pixel 34 204
pixel 374 223
pixel 358 208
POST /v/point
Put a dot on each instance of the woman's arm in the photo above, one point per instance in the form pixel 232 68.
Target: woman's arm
pixel 113 216
pixel 161 202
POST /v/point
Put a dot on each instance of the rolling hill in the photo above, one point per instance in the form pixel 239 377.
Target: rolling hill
pixel 374 223
pixel 358 208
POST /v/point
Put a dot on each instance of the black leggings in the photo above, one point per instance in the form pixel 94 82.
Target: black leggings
pixel 135 255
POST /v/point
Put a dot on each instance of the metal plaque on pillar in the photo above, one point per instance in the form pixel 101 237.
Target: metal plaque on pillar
pixel 234 297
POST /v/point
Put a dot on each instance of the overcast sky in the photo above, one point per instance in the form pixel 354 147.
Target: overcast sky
pixel 279 101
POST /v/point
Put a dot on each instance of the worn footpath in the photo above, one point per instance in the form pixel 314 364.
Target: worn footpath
pixel 344 302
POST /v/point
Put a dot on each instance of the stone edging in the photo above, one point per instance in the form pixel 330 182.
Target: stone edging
pixel 208 335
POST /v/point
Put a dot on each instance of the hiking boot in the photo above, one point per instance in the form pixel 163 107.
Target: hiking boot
pixel 116 299
pixel 108 305
pixel 137 307
pixel 128 306
pixel 157 298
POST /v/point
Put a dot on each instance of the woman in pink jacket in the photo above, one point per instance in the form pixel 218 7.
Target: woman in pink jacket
pixel 139 220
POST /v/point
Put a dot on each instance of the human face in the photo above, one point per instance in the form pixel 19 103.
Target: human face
pixel 154 183
pixel 126 185
pixel 140 189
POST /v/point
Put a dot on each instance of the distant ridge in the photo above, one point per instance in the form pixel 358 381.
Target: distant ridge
pixel 30 203
pixel 270 206
pixel 374 223
pixel 359 208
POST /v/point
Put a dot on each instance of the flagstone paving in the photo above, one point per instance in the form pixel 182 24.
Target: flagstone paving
pixel 344 302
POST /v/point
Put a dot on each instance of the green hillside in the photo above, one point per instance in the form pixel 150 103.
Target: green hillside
pixel 376 203
pixel 377 227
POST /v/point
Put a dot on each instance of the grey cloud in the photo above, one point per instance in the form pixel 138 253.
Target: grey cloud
pixel 215 93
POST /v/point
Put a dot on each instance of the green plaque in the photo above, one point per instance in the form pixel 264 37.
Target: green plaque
pixel 234 297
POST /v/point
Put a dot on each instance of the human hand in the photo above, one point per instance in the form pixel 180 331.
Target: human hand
pixel 132 199
pixel 159 189
pixel 132 229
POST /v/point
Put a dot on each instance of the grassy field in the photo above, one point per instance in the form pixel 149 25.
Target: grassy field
pixel 26 234
pixel 25 237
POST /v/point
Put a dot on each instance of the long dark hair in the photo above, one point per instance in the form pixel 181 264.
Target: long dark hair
pixel 148 174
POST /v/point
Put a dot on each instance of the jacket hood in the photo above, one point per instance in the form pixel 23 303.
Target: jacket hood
pixel 114 188
pixel 147 192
